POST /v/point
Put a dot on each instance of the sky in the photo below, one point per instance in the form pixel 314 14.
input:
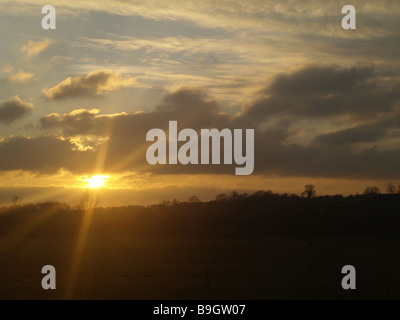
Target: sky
pixel 78 101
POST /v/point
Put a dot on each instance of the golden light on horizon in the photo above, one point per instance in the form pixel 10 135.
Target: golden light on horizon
pixel 96 181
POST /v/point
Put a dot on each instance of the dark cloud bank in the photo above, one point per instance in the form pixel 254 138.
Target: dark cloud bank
pixel 313 93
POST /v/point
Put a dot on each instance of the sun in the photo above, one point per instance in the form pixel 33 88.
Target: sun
pixel 96 181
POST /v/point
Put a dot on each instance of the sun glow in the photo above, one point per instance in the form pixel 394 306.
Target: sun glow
pixel 96 181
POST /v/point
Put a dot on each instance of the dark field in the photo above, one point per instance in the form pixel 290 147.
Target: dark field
pixel 264 247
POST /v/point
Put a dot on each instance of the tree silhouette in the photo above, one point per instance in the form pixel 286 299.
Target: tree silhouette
pixel 372 190
pixel 194 199
pixel 234 196
pixel 165 203
pixel 222 197
pixel 309 191
pixel 391 189
pixel 16 200
pixel 88 200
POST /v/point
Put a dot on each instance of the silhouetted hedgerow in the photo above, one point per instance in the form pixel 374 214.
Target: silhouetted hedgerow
pixel 261 214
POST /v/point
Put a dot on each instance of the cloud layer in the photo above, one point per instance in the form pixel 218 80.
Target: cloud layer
pixel 368 110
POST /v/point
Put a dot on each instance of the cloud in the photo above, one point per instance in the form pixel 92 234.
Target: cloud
pixel 321 17
pixel 385 127
pixel 13 109
pixel 93 84
pixel 20 77
pixel 45 154
pixel 79 122
pixel 332 153
pixel 61 59
pixel 325 91
pixel 359 134
pixel 325 161
pixel 189 105
pixel 8 69
pixel 33 48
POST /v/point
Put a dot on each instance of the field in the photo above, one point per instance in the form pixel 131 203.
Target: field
pixel 158 255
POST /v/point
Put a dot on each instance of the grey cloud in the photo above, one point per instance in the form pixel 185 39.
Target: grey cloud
pixel 125 151
pixel 126 146
pixel 187 105
pixel 325 161
pixel 316 92
pixel 93 84
pixel 369 132
pixel 320 80
pixel 188 99
pixel 78 122
pixel 328 156
pixel 364 133
pixel 45 154
pixel 14 109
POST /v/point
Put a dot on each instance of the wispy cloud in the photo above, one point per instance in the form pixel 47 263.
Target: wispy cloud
pixel 33 48
pixel 251 15
pixel 20 77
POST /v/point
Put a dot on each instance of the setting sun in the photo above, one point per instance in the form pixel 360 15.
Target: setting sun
pixel 96 181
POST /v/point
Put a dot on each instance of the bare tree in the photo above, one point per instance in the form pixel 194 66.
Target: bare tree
pixel 16 200
pixel 88 200
pixel 165 203
pixel 222 197
pixel 234 196
pixel 391 188
pixel 309 191
pixel 194 199
pixel 372 190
